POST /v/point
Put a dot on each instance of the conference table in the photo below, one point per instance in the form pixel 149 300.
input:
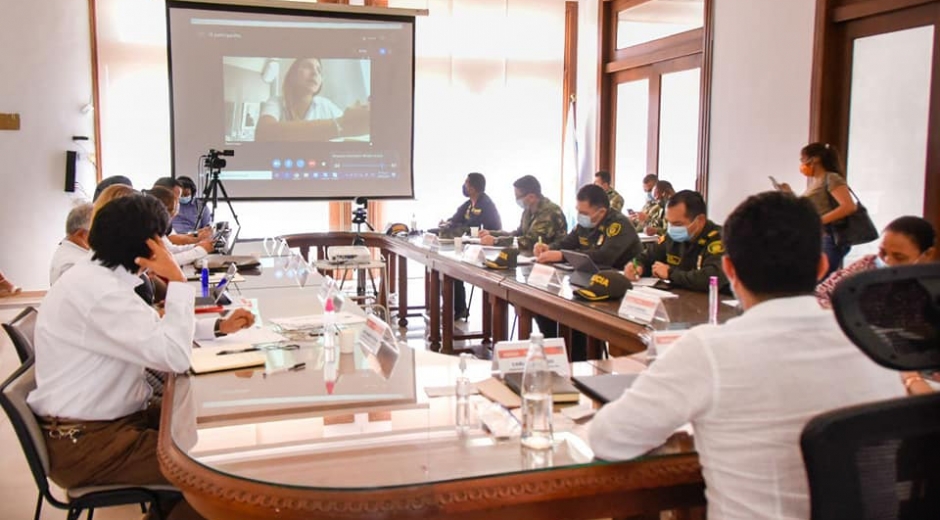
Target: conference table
pixel 360 435
pixel 501 289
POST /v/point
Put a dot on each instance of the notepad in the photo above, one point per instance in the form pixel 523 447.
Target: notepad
pixel 562 389
pixel 313 321
pixel 605 388
pixel 206 359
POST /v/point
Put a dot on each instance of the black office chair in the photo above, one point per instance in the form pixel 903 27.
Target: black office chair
pixel 13 394
pixel 21 330
pixel 882 460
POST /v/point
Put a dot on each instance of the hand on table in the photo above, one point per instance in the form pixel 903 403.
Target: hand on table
pixel 549 257
pixel 632 272
pixel 237 320
pixel 539 248
pixel 661 271
pixel 487 239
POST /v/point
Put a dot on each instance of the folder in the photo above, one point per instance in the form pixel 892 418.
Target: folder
pixel 562 389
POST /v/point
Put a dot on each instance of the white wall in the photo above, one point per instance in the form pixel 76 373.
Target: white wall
pixel 760 97
pixel 45 64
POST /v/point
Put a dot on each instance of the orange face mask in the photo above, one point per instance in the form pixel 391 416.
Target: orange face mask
pixel 806 169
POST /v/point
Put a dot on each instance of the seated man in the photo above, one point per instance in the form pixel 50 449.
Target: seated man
pixel 111 181
pixel 640 218
pixel 690 251
pixel 750 386
pixel 477 212
pixel 603 234
pixel 74 247
pixel 94 338
pixel 176 238
pixel 602 179
pixel 191 217
pixel 542 219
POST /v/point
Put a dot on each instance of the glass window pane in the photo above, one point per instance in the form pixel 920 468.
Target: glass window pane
pixel 630 164
pixel 887 153
pixel 679 128
pixel 658 19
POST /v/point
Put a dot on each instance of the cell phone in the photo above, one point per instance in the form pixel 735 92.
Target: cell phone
pixel 774 182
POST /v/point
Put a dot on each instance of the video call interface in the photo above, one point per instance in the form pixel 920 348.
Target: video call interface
pixel 312 106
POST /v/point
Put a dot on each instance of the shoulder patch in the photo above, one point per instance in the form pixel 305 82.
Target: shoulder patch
pixel 713 233
pixel 716 248
pixel 614 229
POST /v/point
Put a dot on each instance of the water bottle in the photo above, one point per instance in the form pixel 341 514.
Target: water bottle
pixel 713 300
pixel 329 327
pixel 536 397
pixel 204 278
pixel 462 419
pixel 515 242
pixel 414 224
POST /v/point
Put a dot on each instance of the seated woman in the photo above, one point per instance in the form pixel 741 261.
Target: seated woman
pixel 905 241
pixel 302 114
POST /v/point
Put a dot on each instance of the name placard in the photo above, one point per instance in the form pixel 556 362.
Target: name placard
pixel 473 255
pixel 510 356
pixel 665 338
pixel 542 275
pixel 430 240
pixel 639 306
pixel 375 333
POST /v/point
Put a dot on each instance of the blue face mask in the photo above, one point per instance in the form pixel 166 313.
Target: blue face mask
pixel 521 202
pixel 585 221
pixel 186 200
pixel 649 195
pixel 678 233
pixel 880 263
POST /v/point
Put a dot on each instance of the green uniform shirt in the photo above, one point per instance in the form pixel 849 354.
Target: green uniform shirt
pixel 612 242
pixel 545 221
pixel 691 263
pixel 616 201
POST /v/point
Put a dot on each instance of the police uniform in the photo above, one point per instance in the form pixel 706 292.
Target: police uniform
pixel 691 263
pixel 616 200
pixel 482 214
pixel 612 242
pixel 545 221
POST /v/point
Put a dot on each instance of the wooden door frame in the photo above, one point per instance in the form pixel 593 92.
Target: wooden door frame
pixel 838 23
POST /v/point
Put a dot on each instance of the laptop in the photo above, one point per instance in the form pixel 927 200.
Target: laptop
pixel 604 388
pixel 582 267
pixel 225 237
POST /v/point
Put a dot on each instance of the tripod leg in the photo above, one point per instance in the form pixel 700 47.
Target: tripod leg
pixel 229 202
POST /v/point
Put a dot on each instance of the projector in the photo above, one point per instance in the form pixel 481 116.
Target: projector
pixel 348 254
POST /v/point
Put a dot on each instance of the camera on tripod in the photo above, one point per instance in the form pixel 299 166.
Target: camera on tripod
pixel 214 160
pixel 360 214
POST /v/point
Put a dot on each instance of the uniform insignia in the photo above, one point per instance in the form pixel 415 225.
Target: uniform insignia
pixel 701 242
pixel 713 233
pixel 477 211
pixel 600 240
pixel 716 248
pixel 614 229
pixel 662 238
pixel 673 259
pixel 583 241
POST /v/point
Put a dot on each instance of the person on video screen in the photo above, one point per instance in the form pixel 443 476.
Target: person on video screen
pixel 301 114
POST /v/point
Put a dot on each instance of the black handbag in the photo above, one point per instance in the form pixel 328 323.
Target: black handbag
pixel 856 228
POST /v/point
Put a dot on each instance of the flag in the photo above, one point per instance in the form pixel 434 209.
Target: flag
pixel 569 165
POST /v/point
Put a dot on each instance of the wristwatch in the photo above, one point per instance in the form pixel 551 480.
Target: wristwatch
pixel 217 329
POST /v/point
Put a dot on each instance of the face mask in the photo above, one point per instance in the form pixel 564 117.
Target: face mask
pixel 186 200
pixel 464 190
pixel 585 221
pixel 880 263
pixel 521 202
pixel 649 195
pixel 806 169
pixel 678 233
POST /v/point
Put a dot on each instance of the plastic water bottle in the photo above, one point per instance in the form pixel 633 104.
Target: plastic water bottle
pixel 713 300
pixel 536 397
pixel 414 224
pixel 329 327
pixel 462 419
pixel 205 279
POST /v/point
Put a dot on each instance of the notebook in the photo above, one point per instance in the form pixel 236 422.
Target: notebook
pixel 562 389
pixel 606 387
pixel 207 359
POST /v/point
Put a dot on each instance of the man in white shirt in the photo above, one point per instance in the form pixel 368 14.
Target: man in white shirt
pixel 750 386
pixel 74 247
pixel 95 337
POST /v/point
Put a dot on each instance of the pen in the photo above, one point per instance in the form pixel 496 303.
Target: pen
pixel 292 368
pixel 237 351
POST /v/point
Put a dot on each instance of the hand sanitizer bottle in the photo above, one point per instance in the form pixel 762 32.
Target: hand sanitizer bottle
pixel 462 419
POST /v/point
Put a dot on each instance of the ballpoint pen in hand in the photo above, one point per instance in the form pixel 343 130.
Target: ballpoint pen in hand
pixel 237 351
pixel 279 370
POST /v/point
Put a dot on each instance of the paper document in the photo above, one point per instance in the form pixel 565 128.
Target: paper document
pixel 205 360
pixel 250 336
pixel 646 281
pixel 525 260
pixel 316 320
pixel 665 295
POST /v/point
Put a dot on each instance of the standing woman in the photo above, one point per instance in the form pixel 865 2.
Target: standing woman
pixel 830 195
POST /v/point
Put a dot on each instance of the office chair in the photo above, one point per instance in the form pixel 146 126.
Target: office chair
pixel 21 330
pixel 13 394
pixel 882 460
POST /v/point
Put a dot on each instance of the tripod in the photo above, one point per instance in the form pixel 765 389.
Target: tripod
pixel 211 191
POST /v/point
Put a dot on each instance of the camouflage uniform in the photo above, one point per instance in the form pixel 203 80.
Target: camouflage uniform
pixel 650 208
pixel 691 263
pixel 655 218
pixel 546 221
pixel 616 201
pixel 612 242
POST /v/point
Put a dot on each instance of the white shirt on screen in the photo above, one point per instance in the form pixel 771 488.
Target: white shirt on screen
pixel 320 108
pixel 66 255
pixel 94 337
pixel 748 387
